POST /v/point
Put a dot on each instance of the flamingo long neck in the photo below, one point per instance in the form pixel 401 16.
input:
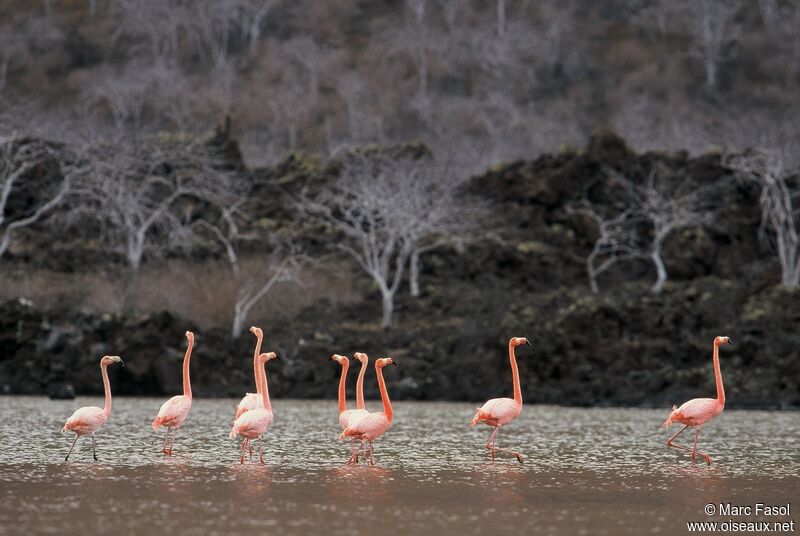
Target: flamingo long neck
pixel 187 384
pixel 360 385
pixel 342 393
pixel 265 388
pixel 387 404
pixel 107 389
pixel 515 374
pixel 256 367
pixel 718 377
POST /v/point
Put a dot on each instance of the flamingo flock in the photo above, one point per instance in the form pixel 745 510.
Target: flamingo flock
pixel 253 415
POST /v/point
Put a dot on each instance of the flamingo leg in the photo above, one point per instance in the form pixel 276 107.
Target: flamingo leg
pixel 492 448
pixel 261 450
pixel 354 456
pixel 490 443
pixel 94 449
pixel 166 438
pixel 371 451
pixel 671 439
pixel 72 447
pixel 172 443
pixel 695 452
pixel 244 446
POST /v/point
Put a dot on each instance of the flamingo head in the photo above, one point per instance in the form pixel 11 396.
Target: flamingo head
pixel 517 341
pixel 263 358
pixel 361 356
pixel 342 360
pixel 722 340
pixel 189 336
pixel 380 363
pixel 108 359
pixel 256 331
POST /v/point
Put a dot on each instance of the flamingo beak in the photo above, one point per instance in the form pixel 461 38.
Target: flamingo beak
pixel 730 342
pixel 527 342
pixel 395 364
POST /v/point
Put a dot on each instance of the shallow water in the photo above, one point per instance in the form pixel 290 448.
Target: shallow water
pixel 586 471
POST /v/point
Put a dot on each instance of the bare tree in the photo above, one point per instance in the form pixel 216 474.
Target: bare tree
pixel 253 282
pixel 779 216
pixel 18 159
pixel 416 40
pixel 253 13
pixel 770 14
pixel 436 214
pixel 711 23
pixel 350 86
pixel 667 206
pixel 306 52
pixel 616 241
pixel 130 190
pixel 153 27
pixel 366 206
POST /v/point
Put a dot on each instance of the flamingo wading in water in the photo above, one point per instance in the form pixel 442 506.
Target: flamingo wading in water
pixel 499 411
pixel 252 400
pixel 252 424
pixel 374 424
pixel 698 411
pixel 87 420
pixel 174 411
pixel 349 417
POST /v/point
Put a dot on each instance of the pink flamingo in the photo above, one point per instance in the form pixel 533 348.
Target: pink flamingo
pixel 252 424
pixel 174 411
pixel 499 411
pixel 348 417
pixel 88 419
pixel 698 411
pixel 252 400
pixel 374 424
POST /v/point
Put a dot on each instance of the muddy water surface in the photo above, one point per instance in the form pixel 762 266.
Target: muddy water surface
pixel 586 471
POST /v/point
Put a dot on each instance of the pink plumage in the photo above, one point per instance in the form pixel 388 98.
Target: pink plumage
pixel 248 402
pixel 349 417
pixel 87 420
pixel 373 425
pixel 499 411
pixel 174 411
pixel 253 423
pixel 695 412
pixel 698 411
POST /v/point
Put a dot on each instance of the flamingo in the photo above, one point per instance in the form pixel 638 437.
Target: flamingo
pixel 174 411
pixel 252 424
pixel 252 400
pixel 499 411
pixel 374 424
pixel 88 419
pixel 348 417
pixel 698 411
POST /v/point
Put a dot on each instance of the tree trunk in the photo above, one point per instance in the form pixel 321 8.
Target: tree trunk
pixel 238 321
pixel 422 69
pixel 661 270
pixel 388 308
pixel 413 273
pixel 711 73
pixel 501 18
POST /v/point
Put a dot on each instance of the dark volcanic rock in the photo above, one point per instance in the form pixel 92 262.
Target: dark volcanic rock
pixel 525 277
